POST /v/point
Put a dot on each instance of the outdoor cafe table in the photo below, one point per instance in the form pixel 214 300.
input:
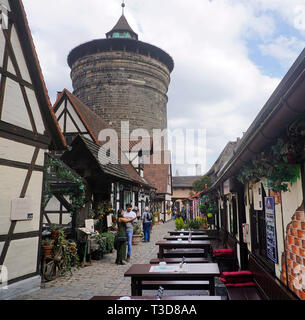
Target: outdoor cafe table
pixel 190 272
pixel 193 237
pixel 198 244
pixel 187 232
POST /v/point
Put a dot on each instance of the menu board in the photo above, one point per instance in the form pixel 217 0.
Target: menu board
pixel 271 230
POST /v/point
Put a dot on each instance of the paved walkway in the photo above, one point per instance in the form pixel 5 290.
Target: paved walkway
pixel 104 277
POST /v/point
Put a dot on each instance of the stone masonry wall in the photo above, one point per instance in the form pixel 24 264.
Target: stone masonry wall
pixel 293 267
pixel 121 86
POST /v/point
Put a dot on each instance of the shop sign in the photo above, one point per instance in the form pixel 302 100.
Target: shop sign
pixel 271 239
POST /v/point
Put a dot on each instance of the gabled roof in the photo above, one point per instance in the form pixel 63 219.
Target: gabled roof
pixel 185 181
pixel 89 118
pixel 122 25
pixel 95 124
pixel 30 55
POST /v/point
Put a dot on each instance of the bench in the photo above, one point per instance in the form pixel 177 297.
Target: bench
pixel 227 263
pixel 176 285
pixel 267 286
pixel 187 253
pixel 178 260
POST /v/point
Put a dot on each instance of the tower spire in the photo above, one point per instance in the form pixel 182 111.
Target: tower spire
pixel 123 7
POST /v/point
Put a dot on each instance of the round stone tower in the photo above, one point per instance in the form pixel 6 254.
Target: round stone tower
pixel 123 79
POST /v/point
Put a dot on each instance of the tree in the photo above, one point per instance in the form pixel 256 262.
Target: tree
pixel 201 183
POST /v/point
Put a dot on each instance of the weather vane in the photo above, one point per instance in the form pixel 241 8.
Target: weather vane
pixel 123 7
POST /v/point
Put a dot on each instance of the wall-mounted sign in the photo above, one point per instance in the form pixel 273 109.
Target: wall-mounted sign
pixel 271 239
pixel 89 225
pixel 258 196
pixel 22 209
pixel 276 196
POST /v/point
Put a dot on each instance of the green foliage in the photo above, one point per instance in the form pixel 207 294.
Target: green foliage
pixel 47 242
pixel 179 223
pixel 275 164
pixel 102 242
pixel 194 224
pixel 76 192
pixel 200 184
pixel 70 259
pixel 109 241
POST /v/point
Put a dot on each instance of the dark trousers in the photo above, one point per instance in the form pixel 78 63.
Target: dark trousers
pixel 146 230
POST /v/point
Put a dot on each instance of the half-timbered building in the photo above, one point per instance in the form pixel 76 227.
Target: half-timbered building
pixel 28 129
pixel 119 183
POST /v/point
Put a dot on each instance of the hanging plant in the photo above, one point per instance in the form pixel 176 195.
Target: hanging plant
pixel 75 192
pixel 276 164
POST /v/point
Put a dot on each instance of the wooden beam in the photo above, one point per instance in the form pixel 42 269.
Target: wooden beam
pixel 15 78
pixel 17 70
pixel 10 131
pixel 20 165
pixel 22 235
pixel 3 78
pixel 10 234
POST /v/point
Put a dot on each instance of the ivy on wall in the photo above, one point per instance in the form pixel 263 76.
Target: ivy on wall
pixel 278 164
pixel 75 188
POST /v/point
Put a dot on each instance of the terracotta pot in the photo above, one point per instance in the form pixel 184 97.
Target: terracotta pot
pixel 47 250
pixel 54 234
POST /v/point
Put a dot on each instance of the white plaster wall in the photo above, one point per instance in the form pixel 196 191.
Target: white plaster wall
pixel 70 126
pixel 291 201
pixel 10 191
pixel 15 151
pixel 21 258
pixel 19 56
pixel 35 110
pixel 14 109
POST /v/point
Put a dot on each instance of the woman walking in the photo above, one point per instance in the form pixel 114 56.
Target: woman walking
pixel 147 222
pixel 121 233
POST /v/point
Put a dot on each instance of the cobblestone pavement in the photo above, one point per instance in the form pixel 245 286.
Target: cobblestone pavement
pixel 104 277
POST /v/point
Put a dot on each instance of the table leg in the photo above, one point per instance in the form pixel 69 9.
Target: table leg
pixel 133 287
pixel 161 252
pixel 212 287
pixel 139 288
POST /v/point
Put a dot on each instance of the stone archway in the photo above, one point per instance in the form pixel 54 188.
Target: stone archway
pixel 293 267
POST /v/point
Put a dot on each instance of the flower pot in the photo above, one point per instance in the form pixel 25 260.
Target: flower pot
pixel 136 238
pixel 73 249
pixel 54 234
pixel 47 250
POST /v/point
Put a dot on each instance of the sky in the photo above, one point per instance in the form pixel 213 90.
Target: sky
pixel 229 55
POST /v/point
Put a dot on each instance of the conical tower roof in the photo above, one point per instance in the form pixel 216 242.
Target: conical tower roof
pixel 122 30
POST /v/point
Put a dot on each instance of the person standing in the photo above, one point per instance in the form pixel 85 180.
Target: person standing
pixel 129 228
pixel 121 250
pixel 147 222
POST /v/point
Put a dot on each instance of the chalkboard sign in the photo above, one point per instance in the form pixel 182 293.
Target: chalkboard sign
pixel 271 239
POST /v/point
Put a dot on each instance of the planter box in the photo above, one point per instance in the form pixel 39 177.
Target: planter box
pixel 136 239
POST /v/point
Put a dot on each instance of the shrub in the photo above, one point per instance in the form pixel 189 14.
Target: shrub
pixel 179 223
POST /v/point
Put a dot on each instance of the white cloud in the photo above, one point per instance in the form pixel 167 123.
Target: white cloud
pixel 284 49
pixel 215 85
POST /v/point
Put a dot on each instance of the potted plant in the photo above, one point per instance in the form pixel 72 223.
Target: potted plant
pixel 47 246
pixel 73 246
pixel 137 233
pixel 157 217
pixel 54 228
